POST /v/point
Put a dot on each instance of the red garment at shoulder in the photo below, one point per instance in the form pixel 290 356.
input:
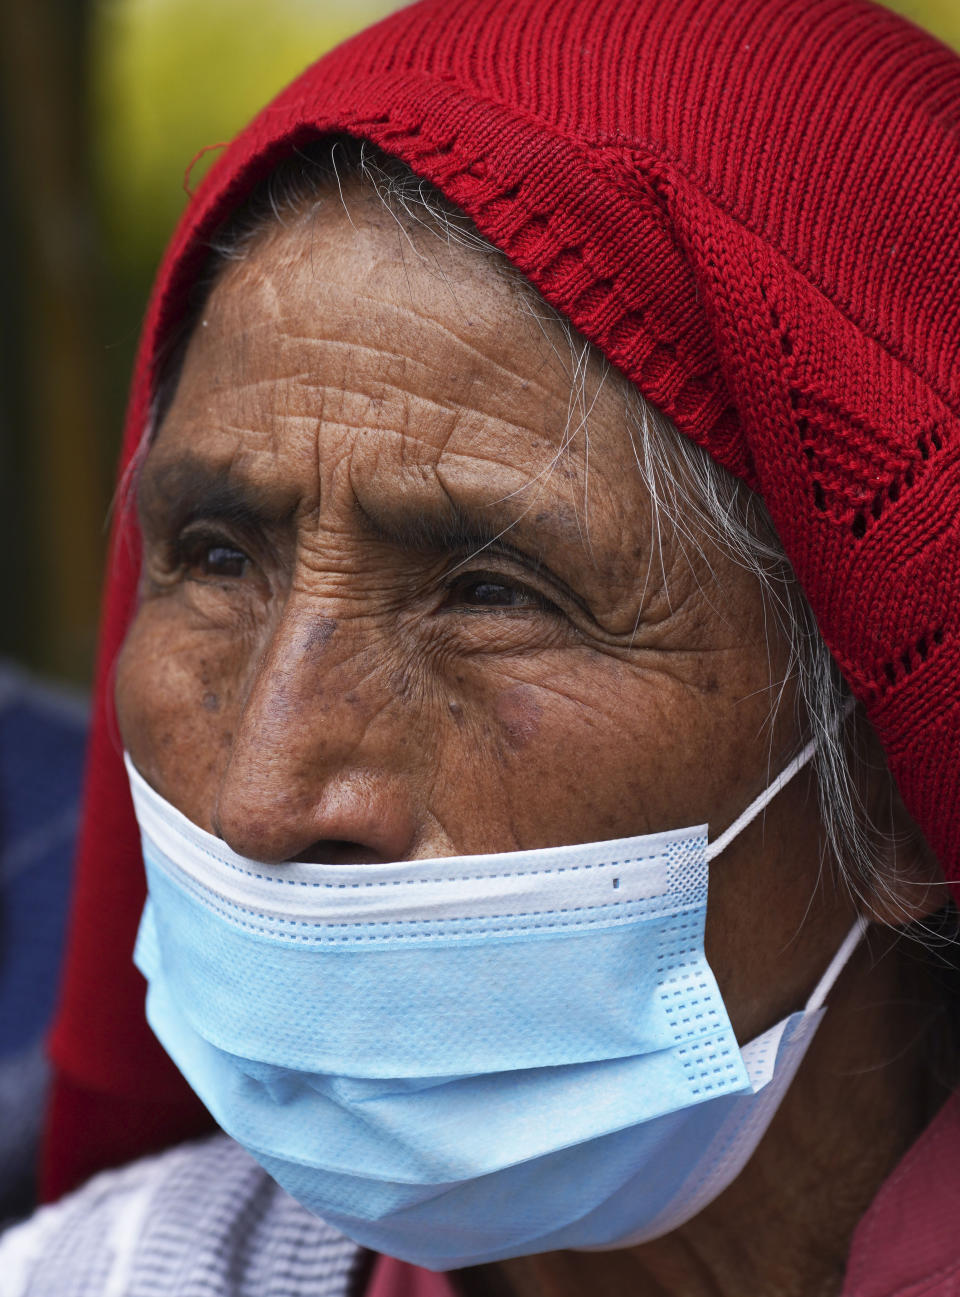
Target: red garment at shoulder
pixel 907 1245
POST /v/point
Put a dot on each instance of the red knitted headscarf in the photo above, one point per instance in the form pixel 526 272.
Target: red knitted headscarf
pixel 753 208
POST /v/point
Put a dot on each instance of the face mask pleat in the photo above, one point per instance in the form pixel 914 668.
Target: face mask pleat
pixel 430 1135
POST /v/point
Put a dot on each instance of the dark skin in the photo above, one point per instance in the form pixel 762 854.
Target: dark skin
pixel 387 613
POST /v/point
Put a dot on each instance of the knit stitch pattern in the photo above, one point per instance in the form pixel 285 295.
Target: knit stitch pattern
pixel 203 1220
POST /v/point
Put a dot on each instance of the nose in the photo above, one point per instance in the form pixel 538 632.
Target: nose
pixel 313 768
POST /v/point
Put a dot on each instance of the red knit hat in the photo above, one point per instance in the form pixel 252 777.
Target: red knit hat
pixel 753 208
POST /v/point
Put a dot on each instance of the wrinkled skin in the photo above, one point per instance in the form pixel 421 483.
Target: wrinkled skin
pixel 392 609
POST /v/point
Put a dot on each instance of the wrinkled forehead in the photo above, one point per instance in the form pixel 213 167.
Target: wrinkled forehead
pixel 343 339
pixel 341 315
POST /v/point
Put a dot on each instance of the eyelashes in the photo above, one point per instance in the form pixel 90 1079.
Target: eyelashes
pixel 495 591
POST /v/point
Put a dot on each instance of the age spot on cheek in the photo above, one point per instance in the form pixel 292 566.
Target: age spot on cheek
pixel 211 702
pixel 518 713
pixel 319 635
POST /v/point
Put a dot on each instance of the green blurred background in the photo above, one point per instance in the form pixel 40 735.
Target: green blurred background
pixel 105 102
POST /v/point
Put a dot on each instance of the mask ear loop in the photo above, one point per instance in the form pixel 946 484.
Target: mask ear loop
pixel 854 936
pixel 769 793
pixel 836 965
pixel 760 803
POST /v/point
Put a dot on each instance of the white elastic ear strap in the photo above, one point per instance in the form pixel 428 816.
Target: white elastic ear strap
pixel 836 965
pixel 783 778
pixel 769 793
pixel 853 937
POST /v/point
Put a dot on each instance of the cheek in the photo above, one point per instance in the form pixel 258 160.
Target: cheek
pixel 519 715
pixel 175 697
pixel 584 747
pixel 544 764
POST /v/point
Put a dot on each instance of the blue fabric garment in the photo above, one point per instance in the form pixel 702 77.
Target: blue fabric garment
pixel 42 739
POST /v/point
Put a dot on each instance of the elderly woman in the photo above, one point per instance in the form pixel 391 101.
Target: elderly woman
pixel 545 457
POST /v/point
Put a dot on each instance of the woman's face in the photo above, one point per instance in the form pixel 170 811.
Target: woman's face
pixel 398 603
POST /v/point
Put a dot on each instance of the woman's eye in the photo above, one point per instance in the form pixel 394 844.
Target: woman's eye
pixel 486 592
pixel 214 559
pixel 223 560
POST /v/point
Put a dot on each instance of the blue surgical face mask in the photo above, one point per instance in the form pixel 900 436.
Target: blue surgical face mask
pixel 471 1058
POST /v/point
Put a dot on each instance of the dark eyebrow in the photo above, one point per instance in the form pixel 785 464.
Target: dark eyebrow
pixel 178 491
pixel 449 528
pixel 440 528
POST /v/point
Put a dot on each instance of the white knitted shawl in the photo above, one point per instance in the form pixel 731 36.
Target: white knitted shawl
pixel 202 1220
